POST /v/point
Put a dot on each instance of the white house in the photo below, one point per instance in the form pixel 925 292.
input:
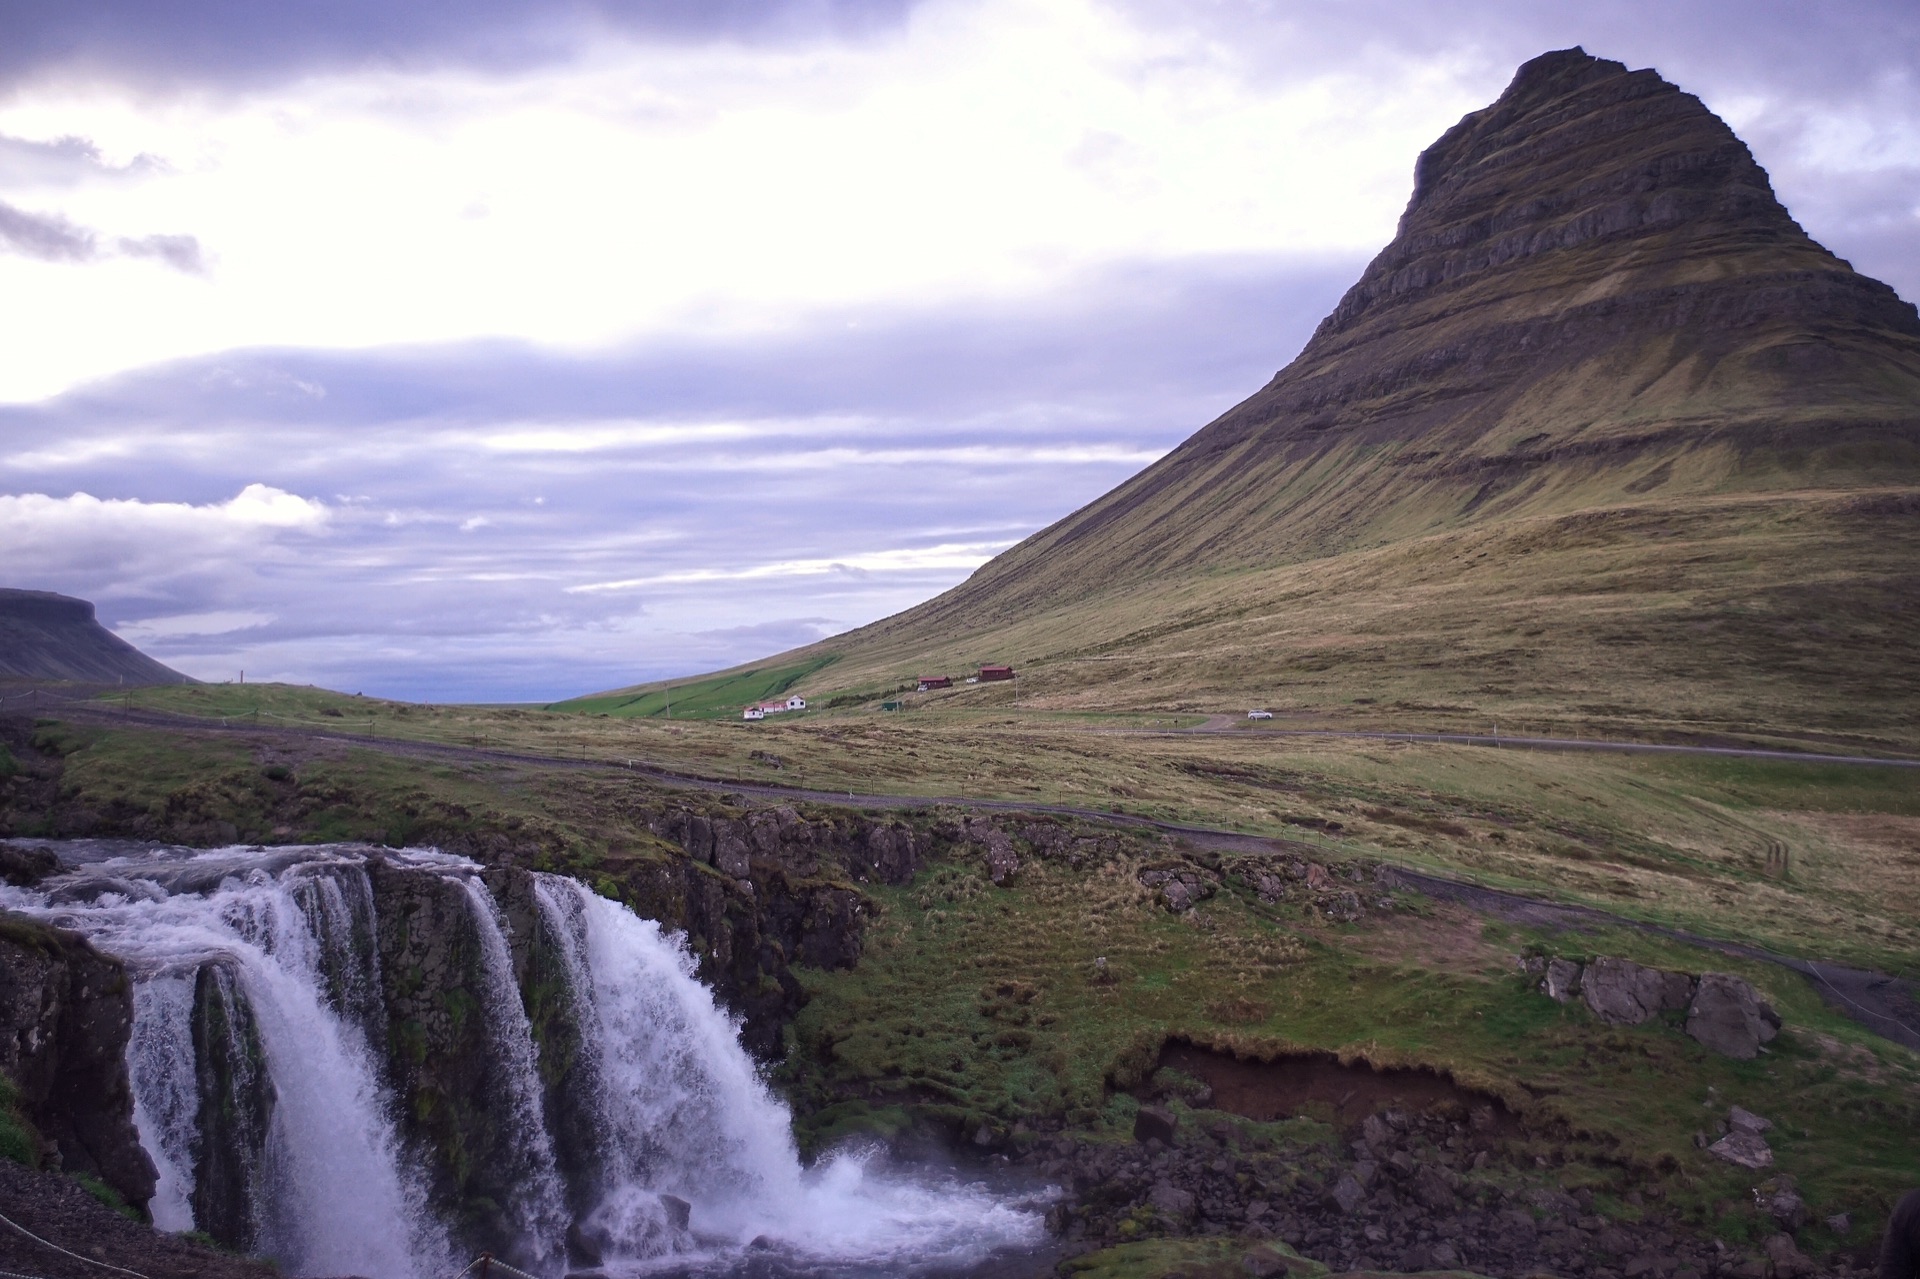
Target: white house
pixel 796 703
pixel 754 712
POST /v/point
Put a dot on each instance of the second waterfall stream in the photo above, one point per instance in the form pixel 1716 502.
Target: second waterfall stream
pixel 287 1004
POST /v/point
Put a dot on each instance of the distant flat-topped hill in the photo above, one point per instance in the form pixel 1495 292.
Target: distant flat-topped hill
pixel 55 637
pixel 1602 434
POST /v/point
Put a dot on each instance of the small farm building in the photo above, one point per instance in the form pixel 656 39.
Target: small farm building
pixel 754 712
pixel 796 703
pixel 990 673
pixel 928 682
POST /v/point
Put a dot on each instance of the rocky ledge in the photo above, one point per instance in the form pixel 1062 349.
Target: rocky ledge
pixel 1405 1192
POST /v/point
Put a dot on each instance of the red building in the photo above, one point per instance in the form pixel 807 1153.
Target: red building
pixel 934 681
pixel 988 674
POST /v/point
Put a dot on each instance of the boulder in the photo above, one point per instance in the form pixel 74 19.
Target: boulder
pixel 679 1211
pixel 1623 993
pixel 1430 1189
pixel 25 867
pixel 1740 1119
pixel 1154 1123
pixel 1726 1016
pixel 1562 981
pixel 1743 1148
pixel 1347 1195
pixel 1619 992
pixel 1173 1201
pixel 1788 1261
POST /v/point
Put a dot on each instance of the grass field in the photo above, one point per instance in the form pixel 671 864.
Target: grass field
pixel 1809 859
pixel 984 1004
pixel 716 697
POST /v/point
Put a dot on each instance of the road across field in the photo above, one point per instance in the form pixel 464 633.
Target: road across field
pixel 1886 1005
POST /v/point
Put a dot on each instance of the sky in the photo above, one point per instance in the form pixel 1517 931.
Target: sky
pixel 504 350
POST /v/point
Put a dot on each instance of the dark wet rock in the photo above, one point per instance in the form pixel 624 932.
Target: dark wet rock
pixel 1728 1016
pixel 679 1211
pixel 25 867
pixel 1432 1189
pixel 1347 1194
pixel 236 1110
pixel 66 1012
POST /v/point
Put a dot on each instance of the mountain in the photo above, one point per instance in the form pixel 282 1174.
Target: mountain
pixel 1602 434
pixel 45 636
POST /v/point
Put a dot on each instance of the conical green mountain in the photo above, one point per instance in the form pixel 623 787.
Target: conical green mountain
pixel 1602 435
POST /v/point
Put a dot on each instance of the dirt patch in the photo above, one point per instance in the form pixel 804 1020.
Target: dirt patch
pixel 1450 939
pixel 1321 1086
pixel 57 1210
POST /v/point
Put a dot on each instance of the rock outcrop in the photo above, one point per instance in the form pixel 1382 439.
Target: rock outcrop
pixel 1728 1016
pixel 1623 993
pixel 1723 1012
pixel 66 1011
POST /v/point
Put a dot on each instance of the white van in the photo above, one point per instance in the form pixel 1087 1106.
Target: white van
pixel 1259 714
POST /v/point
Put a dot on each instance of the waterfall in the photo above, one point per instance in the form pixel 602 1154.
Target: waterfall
pixel 265 1078
pixel 335 1198
pixel 689 1116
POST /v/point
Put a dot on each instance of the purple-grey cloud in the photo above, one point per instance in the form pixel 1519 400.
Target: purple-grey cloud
pixel 63 161
pixel 171 43
pixel 51 237
pixel 743 494
pixel 46 236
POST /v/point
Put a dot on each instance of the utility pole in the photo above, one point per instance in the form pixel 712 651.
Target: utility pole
pixel 669 701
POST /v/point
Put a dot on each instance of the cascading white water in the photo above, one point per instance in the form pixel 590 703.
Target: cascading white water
pixel 338 1201
pixel 688 1115
pixel 673 1105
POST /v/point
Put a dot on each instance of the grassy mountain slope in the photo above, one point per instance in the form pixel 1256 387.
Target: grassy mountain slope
pixel 1601 436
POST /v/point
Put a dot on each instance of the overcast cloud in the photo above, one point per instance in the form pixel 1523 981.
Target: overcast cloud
pixel 514 349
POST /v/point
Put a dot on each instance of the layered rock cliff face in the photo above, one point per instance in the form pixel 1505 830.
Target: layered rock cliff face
pixel 1593 295
pixel 65 1014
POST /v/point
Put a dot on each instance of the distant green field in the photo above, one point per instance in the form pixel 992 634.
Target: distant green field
pixel 713 697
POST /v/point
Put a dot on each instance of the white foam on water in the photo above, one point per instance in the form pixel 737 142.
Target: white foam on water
pixel 690 1116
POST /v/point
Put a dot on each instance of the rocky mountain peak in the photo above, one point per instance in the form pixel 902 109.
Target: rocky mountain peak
pixel 1578 158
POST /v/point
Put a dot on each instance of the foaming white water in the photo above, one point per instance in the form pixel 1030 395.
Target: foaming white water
pixel 337 1200
pixel 690 1116
pixel 166 1094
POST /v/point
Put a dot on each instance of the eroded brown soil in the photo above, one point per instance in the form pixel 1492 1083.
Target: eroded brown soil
pixel 1321 1086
